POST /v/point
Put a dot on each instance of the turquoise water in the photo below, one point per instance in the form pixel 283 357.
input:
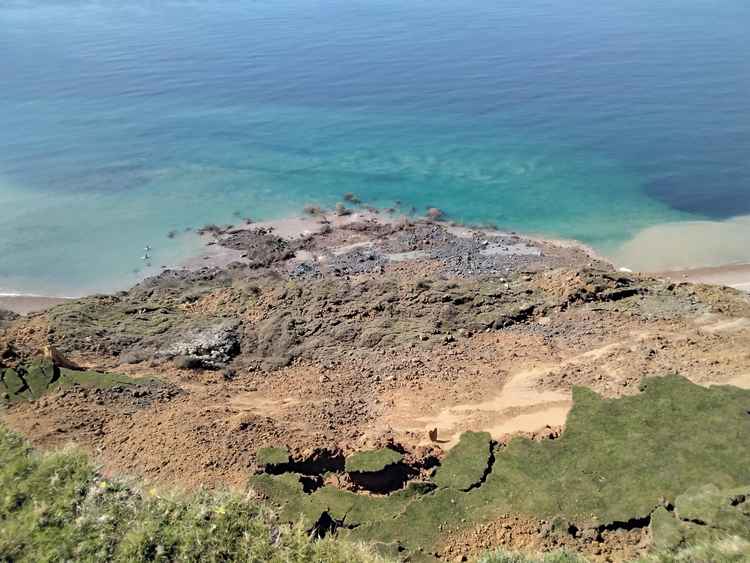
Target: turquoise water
pixel 120 123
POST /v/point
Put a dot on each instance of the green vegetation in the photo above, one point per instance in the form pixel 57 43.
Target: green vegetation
pixel 703 515
pixel 41 376
pixel 372 461
pixel 617 462
pixel 728 550
pixel 725 550
pixel 618 457
pixel 271 457
pixel 467 463
pixel 502 556
pixel 57 508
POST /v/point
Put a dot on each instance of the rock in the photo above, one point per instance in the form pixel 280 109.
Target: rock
pixel 59 360
pixel 211 347
pixel 435 214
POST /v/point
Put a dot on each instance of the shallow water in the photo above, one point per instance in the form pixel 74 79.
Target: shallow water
pixel 124 121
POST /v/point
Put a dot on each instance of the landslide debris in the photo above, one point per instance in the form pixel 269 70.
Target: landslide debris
pixel 701 514
pixel 33 381
pixel 379 471
pixel 617 462
pixel 467 464
pixel 375 335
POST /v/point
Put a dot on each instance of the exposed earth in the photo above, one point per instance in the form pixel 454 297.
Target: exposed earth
pixel 367 334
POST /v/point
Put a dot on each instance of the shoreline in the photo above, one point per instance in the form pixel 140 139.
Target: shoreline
pixel 27 304
pixel 736 276
pixel 213 254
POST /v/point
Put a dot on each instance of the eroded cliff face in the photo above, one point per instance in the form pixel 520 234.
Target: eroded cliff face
pixel 362 337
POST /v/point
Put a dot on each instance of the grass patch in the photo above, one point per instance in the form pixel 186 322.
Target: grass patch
pixel 41 376
pixel 372 461
pixel 57 508
pixel 467 462
pixel 616 462
pixel 270 457
pixel 502 556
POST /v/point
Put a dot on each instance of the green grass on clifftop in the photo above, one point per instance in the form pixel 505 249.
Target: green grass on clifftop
pixel 56 507
pixel 41 376
pixel 467 463
pixel 617 461
pixel 372 461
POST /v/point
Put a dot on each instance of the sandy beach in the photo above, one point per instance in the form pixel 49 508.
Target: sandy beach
pixel 23 304
pixel 736 276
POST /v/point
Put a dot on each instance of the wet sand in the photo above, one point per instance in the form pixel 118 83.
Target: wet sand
pixel 736 276
pixel 23 305
pixel 687 246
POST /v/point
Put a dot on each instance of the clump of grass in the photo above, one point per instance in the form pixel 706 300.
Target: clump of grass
pixel 27 383
pixel 373 460
pixel 724 550
pixel 56 507
pixel 272 456
pixel 466 463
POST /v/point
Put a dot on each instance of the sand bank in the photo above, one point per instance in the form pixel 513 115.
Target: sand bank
pixel 736 276
pixel 687 245
pixel 24 304
pixel 714 252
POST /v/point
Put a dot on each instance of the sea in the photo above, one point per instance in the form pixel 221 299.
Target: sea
pixel 126 125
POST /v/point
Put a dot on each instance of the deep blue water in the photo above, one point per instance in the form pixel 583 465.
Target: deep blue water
pixel 577 118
